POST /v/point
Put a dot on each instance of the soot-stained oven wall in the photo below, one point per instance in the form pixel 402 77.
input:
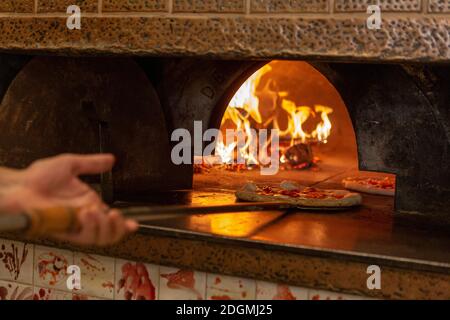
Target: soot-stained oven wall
pixel 54 105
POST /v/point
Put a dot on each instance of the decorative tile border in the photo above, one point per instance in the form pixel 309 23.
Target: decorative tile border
pixel 218 6
pixel 19 6
pixel 385 5
pixel 223 6
pixel 135 5
pixel 43 276
pixel 293 6
pixel 49 6
pixel 439 6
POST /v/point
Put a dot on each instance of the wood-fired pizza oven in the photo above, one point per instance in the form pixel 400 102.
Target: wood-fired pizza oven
pixel 125 81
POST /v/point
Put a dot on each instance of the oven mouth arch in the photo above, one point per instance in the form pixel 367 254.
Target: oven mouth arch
pixel 384 103
pixel 295 81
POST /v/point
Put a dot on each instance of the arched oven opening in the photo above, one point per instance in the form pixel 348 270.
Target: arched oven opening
pixel 400 128
pixel 317 141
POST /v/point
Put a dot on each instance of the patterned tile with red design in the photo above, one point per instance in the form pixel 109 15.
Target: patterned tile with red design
pixel 136 281
pixel 220 287
pixel 329 295
pixel 273 291
pixel 16 261
pixel 50 267
pixel 77 296
pixel 38 272
pixel 97 275
pixel 15 291
pixel 50 294
pixel 176 284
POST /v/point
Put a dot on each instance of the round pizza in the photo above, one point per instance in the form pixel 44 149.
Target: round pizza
pixel 297 195
pixel 381 186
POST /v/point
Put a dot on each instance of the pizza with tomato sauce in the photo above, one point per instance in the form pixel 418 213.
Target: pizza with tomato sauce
pixel 297 195
pixel 381 186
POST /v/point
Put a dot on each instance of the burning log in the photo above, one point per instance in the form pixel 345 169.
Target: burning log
pixel 299 156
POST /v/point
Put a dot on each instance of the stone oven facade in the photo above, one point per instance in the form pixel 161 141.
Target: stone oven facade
pixel 138 69
pixel 233 28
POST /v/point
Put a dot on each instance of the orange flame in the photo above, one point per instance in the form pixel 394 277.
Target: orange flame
pixel 225 152
pixel 297 117
pixel 244 108
pixel 323 129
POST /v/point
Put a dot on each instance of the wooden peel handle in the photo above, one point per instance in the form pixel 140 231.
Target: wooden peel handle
pixel 52 220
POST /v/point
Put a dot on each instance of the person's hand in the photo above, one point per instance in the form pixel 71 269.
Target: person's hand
pixel 54 182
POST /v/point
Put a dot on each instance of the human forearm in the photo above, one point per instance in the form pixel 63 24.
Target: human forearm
pixel 54 182
pixel 10 181
pixel 9 176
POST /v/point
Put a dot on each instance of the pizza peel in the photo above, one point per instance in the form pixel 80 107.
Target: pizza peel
pixel 54 220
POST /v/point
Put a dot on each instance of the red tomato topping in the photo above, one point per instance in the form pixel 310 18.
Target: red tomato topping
pixel 267 190
pixel 290 193
pixel 315 195
pixel 387 185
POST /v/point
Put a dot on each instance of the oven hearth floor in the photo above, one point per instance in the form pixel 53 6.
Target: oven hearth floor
pixel 369 233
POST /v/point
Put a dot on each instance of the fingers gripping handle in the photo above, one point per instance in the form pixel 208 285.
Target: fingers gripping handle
pixel 51 221
pixel 40 222
pixel 13 222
